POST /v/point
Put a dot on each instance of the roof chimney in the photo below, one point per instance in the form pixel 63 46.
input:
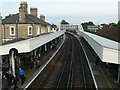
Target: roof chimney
pixel 33 11
pixel 23 10
pixel 42 17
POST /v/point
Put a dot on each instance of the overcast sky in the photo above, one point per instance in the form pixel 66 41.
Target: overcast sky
pixel 73 11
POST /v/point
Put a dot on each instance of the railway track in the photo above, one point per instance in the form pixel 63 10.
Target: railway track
pixel 68 69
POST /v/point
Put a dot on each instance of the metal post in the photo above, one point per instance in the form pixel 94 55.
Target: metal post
pixel 55 40
pixel 13 61
pixel 16 29
pixel 118 79
pixel 45 47
pixel 35 52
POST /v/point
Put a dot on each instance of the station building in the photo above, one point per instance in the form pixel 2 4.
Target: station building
pixel 24 25
pixel 24 36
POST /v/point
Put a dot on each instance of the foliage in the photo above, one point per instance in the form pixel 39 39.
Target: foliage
pixel 110 24
pixel 105 25
pixel 53 25
pixel 64 22
pixel 113 24
pixel 90 31
pixel 84 25
pixel 118 23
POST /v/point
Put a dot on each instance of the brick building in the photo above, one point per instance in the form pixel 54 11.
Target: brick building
pixel 24 25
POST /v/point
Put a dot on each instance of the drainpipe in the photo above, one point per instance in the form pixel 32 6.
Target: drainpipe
pixel 33 32
pixel 16 29
pixel 4 33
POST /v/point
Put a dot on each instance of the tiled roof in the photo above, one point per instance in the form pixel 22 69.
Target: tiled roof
pixel 112 33
pixel 53 26
pixel 30 19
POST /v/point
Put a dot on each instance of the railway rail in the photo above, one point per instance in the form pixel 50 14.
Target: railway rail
pixel 68 69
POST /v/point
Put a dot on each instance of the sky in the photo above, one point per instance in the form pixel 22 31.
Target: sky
pixel 73 11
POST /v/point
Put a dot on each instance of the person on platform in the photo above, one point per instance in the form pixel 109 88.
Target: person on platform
pixel 31 63
pixel 15 80
pixel 21 73
pixel 6 77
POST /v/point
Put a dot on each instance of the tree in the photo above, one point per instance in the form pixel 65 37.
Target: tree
pixel 105 25
pixel 53 25
pixel 84 25
pixel 113 24
pixel 119 23
pixel 64 22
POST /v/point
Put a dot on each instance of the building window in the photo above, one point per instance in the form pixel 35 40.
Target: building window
pixel 29 30
pixel 12 30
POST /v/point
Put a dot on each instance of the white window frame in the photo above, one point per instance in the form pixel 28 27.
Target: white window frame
pixel 11 30
pixel 29 31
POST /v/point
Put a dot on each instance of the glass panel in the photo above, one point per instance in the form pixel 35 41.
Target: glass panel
pixel 12 30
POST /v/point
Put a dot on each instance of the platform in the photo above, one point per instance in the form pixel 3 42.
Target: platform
pixel 106 49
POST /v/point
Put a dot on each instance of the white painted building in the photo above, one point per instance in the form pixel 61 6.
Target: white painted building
pixel 94 28
pixel 69 27
pixel 54 28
